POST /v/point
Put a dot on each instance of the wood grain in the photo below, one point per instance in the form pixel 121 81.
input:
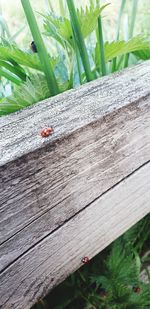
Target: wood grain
pixel 58 183
pixel 59 254
pixel 101 141
pixel 19 132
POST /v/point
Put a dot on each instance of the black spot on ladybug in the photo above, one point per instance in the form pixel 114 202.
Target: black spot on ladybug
pixel 33 47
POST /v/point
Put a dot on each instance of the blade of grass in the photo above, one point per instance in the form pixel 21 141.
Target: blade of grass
pixel 118 30
pixel 78 65
pixel 4 27
pixel 42 52
pixel 10 77
pixel 119 18
pixel 62 8
pixel 15 70
pixel 101 44
pixel 49 5
pixel 80 41
pixel 131 28
pixel 78 59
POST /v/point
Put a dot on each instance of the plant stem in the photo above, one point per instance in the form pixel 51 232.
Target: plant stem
pixel 4 28
pixel 62 8
pixel 119 18
pixel 49 5
pixel 42 52
pixel 131 28
pixel 77 57
pixel 118 31
pixel 80 40
pixel 78 65
pixel 101 44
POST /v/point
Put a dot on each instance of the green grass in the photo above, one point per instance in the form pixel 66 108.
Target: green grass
pixel 71 49
pixel 42 52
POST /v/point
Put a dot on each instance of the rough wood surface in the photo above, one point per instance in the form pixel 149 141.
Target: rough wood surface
pixel 59 254
pixel 72 110
pixel 101 137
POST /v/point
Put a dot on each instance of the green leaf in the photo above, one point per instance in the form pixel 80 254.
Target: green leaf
pixel 60 28
pixel 11 53
pixel 88 18
pixel 33 90
pixel 119 48
pixel 143 54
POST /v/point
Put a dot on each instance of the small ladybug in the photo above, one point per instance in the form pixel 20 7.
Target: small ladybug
pixel 33 47
pixel 136 289
pixel 46 132
pixel 103 293
pixel 85 260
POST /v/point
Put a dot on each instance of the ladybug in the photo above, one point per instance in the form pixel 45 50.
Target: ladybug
pixel 136 289
pixel 46 132
pixel 85 260
pixel 33 47
pixel 103 293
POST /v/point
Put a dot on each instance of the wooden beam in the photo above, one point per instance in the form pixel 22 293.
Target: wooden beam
pixel 90 231
pixel 101 138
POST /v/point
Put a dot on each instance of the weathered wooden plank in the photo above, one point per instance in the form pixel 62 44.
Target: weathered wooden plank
pixel 101 136
pixel 40 176
pixel 50 261
pixel 91 161
pixel 72 110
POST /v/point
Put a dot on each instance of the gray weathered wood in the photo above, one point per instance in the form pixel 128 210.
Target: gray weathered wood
pixel 101 136
pixel 50 261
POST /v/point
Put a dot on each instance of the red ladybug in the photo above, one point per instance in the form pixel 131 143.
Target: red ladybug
pixel 103 293
pixel 46 132
pixel 85 260
pixel 136 289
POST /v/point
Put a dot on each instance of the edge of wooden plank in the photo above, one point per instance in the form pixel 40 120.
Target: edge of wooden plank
pixel 69 111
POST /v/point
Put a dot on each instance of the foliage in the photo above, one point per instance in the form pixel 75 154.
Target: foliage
pixel 11 53
pixel 30 92
pixel 35 89
pixel 81 52
pixel 118 48
pixel 60 27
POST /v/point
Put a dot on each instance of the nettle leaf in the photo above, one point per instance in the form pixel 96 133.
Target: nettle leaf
pixel 35 89
pixel 88 18
pixel 13 54
pixel 119 48
pixel 60 27
pixel 143 54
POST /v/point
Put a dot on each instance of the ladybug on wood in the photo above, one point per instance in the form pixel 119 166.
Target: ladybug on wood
pixel 46 132
pixel 85 260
